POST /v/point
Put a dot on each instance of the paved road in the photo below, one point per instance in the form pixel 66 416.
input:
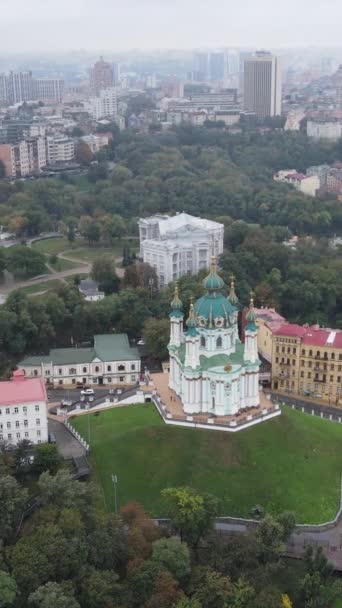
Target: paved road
pixel 67 445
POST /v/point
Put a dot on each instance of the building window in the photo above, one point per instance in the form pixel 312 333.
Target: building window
pixel 39 441
pixel 332 367
pixel 24 409
pixel 25 422
pixel 73 381
pixel 7 410
pixel 8 425
pixel 333 355
pixel 97 369
pixel 16 410
pixel 26 434
pixel 109 380
pixel 133 378
pixel 133 367
pixel 203 342
pixel 38 433
pixel 331 378
pixel 17 424
pixel 60 371
pixel 294 351
pixel 109 368
pixel 219 342
pixel 309 375
pixel 36 407
pixel 310 353
pixel 47 373
pixel 121 368
pixel 122 378
pixel 60 382
pixel 37 421
pixel 18 435
pixel 9 436
pixel 35 373
pixel 302 374
pixel 84 370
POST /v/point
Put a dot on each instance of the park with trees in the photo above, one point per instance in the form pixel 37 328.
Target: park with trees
pixel 72 551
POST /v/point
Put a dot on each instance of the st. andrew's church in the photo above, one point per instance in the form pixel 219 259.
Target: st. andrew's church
pixel 211 371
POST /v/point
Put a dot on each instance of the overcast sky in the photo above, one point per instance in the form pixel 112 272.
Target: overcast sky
pixel 126 24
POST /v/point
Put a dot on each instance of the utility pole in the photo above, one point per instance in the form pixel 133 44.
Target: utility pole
pixel 115 481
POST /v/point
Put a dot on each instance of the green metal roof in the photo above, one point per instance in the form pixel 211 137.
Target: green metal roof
pixel 114 347
pixel 107 347
pixel 65 356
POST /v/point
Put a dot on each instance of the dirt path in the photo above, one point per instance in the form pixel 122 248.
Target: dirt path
pixel 83 268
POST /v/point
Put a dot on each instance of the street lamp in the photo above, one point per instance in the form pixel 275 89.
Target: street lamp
pixel 115 481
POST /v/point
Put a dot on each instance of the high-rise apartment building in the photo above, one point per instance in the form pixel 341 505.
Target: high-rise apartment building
pixel 3 89
pixel 201 66
pixel 217 66
pixel 102 76
pixel 19 87
pixel 338 81
pixel 262 84
pixel 51 89
pixel 116 73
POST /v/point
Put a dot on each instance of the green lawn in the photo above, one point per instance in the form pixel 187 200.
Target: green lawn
pixel 88 254
pixel 38 287
pixel 61 264
pixel 293 462
pixel 52 246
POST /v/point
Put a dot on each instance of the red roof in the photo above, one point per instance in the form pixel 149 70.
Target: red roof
pixel 330 338
pixel 22 390
pixel 297 176
pixel 291 329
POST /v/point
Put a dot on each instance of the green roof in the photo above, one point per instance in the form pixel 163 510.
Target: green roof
pixel 114 347
pixel 63 356
pixel 107 347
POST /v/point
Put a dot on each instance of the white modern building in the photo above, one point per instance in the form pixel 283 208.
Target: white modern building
pixel 262 84
pixel 324 129
pixel 210 370
pixel 105 105
pixel 23 410
pixel 60 150
pixel 179 245
pixel 111 361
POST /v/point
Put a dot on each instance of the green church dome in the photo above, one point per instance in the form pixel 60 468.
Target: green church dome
pixel 213 281
pixel 214 309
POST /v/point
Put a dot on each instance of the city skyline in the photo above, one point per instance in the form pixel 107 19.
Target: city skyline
pixel 148 24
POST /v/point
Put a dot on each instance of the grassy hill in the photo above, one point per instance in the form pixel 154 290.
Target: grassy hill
pixel 293 462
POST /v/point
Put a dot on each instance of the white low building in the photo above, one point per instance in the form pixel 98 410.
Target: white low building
pixel 179 245
pixel 90 290
pixel 111 361
pixel 23 410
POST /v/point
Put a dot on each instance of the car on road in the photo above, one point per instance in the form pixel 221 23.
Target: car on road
pixel 52 438
pixel 88 392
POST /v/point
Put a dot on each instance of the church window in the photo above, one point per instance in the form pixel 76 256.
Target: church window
pixel 203 341
pixel 97 368
pixel 121 368
pixel 219 342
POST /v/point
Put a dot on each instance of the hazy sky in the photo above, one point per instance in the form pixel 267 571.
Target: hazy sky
pixel 125 24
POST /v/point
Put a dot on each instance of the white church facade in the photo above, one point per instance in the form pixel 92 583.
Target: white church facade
pixel 211 371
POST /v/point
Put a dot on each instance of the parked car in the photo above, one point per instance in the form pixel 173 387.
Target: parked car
pixel 87 392
pixel 52 438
